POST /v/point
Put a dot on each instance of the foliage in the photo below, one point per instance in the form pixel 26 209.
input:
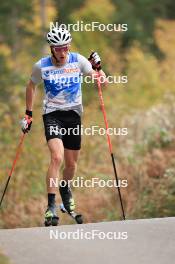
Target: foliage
pixel 141 16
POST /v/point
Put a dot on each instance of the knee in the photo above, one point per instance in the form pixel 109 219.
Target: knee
pixel 71 167
pixel 56 159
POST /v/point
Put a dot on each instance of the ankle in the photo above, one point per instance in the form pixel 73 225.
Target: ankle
pixel 51 199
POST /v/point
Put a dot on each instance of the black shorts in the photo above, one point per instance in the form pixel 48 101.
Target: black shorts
pixel 65 125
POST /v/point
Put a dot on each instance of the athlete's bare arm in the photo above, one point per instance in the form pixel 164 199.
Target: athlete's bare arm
pixel 30 93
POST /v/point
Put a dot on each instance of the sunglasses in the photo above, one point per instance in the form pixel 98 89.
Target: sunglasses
pixel 58 48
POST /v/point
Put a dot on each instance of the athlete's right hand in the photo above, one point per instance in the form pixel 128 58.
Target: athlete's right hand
pixel 26 122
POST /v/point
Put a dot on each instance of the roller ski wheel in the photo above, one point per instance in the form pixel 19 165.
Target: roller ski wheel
pixel 51 219
pixel 77 217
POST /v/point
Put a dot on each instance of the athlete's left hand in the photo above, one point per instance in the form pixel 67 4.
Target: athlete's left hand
pixel 95 60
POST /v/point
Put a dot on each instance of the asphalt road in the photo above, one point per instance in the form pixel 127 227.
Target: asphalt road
pixel 150 241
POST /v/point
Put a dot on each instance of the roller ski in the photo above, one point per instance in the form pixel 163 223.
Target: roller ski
pixel 51 218
pixel 68 205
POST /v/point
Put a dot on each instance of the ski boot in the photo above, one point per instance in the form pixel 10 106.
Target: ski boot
pixel 68 205
pixel 68 201
pixel 51 217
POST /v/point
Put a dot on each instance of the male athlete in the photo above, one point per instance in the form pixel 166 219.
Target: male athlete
pixel 62 106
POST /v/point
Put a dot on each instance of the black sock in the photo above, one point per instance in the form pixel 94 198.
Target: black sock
pixel 51 199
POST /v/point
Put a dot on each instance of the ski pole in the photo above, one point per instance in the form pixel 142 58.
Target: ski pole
pixel 13 166
pixel 109 142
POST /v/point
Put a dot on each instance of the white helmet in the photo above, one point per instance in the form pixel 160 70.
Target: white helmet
pixel 59 36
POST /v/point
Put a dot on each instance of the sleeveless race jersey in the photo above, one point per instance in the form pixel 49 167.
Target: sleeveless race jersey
pixel 62 84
